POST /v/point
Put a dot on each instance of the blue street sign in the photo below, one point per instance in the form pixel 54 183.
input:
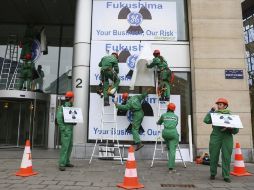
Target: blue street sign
pixel 233 74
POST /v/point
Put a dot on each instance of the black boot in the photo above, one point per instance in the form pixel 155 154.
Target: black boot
pixel 227 180
pixel 106 101
pixel 61 168
pixel 139 146
pixel 70 165
pixel 212 177
pixel 161 99
pixel 166 99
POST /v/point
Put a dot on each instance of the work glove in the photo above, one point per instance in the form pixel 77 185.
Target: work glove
pixel 231 130
pixel 212 110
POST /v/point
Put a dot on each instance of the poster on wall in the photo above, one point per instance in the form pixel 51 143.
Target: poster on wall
pixel 134 20
pixel 129 52
pixel 123 120
pixel 128 55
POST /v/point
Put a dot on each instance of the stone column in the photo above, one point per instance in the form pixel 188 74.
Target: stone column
pixel 80 68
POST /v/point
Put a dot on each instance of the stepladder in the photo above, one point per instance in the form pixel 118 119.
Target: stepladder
pixel 10 62
pixel 159 147
pixel 107 142
pixel 15 77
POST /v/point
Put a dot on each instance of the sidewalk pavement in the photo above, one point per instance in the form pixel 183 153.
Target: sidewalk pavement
pixel 106 174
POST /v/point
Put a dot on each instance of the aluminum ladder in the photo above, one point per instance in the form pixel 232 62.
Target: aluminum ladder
pixel 15 77
pixel 108 150
pixel 11 56
pixel 162 108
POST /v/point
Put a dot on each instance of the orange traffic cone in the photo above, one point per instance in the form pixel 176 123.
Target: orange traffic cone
pixel 130 180
pixel 239 167
pixel 26 168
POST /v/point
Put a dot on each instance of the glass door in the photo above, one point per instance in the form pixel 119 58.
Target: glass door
pixel 15 118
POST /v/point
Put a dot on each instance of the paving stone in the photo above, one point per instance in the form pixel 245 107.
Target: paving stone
pixel 15 181
pixel 4 185
pixel 33 181
pixel 66 183
pixel 203 185
pixel 47 178
pixel 49 182
pixel 220 184
pixel 53 187
pixel 234 184
pixel 3 181
pixel 25 186
pixel 249 184
pixel 83 183
pixel 37 186
pixel 70 187
pixel 94 188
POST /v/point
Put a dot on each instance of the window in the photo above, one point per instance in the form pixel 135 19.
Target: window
pixel 56 64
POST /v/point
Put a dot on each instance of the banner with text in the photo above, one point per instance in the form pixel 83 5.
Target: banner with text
pixel 123 121
pixel 134 20
pixel 128 55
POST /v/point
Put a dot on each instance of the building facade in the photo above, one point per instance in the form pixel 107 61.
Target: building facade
pixel 208 41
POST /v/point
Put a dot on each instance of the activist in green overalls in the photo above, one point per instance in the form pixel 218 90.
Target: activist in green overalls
pixel 164 76
pixel 66 131
pixel 170 134
pixel 26 72
pixel 109 70
pixel 26 43
pixel 221 139
pixel 134 105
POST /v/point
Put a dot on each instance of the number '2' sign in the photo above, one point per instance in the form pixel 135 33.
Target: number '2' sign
pixel 79 83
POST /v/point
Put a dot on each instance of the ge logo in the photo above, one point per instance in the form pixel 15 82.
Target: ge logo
pixel 134 19
pixel 130 116
pixel 73 114
pixel 36 50
pixel 131 61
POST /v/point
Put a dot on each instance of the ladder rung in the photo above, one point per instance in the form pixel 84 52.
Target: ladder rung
pixel 110 147
pixel 108 114
pixel 109 121
pixel 159 149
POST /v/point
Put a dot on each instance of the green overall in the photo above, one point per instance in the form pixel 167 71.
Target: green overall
pixel 170 135
pixel 165 74
pixel 134 104
pixel 27 42
pixel 26 74
pixel 109 70
pixel 66 131
pixel 220 140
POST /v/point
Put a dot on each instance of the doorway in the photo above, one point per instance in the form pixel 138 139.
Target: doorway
pixel 21 120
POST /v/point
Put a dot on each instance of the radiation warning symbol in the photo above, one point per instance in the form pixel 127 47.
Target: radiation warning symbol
pixel 226 119
pixel 73 114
